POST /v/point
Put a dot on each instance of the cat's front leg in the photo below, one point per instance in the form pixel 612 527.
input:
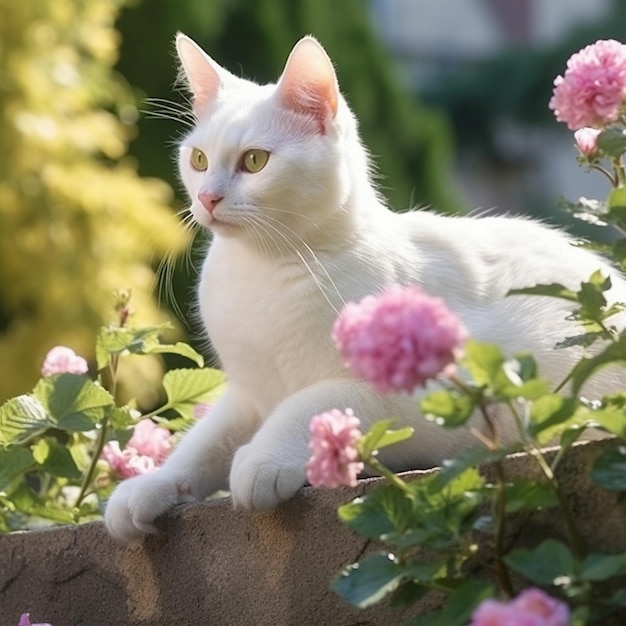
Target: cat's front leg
pixel 271 468
pixel 198 467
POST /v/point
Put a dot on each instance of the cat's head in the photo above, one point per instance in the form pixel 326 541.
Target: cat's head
pixel 270 162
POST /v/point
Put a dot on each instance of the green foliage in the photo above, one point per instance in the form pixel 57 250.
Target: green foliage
pixel 76 220
pixel 51 439
pixel 446 514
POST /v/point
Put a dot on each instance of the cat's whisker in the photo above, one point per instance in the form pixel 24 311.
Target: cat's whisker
pixel 299 215
pixel 260 220
pixel 260 238
pixel 315 257
pixel 167 266
pixel 170 110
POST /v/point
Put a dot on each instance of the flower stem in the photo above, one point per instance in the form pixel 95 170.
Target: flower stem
pixel 93 463
pixel 531 448
pixel 502 570
pixel 379 468
pixel 570 526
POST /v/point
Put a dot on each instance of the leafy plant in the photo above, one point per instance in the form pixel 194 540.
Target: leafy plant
pixel 52 439
pixel 459 514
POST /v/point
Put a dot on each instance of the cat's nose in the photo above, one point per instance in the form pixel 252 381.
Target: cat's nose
pixel 209 200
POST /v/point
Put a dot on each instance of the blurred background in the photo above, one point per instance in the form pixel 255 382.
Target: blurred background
pixel 451 97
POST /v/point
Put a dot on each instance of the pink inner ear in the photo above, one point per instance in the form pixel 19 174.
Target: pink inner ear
pixel 308 83
pixel 204 79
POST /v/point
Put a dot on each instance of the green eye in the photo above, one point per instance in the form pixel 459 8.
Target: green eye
pixel 198 160
pixel 254 160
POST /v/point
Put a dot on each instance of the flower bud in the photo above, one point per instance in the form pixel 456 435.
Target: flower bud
pixel 586 141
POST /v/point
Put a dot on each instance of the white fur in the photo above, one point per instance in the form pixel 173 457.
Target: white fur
pixel 294 242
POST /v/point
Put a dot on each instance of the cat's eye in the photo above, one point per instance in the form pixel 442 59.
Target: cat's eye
pixel 254 160
pixel 198 160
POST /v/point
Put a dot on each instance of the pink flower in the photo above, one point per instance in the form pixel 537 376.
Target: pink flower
pixel 62 360
pixel 586 141
pixel 593 89
pixel 25 621
pixel 535 602
pixel 143 454
pixel 400 339
pixel 532 607
pixel 492 613
pixel 335 459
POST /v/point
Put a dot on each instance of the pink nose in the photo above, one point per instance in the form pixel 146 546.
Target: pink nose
pixel 209 200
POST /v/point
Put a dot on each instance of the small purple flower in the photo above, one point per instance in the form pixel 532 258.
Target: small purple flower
pixel 25 621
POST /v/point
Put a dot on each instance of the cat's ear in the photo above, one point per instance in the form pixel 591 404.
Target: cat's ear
pixel 204 76
pixel 308 83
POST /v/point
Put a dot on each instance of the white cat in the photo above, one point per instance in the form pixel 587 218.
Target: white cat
pixel 278 173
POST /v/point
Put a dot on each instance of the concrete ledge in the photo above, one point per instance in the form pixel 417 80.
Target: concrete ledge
pixel 215 566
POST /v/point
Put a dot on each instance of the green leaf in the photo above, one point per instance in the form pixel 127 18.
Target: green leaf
pixel 568 437
pixel 617 207
pixel 612 420
pixel 529 495
pixel 180 348
pixel 609 469
pixel 75 403
pixel 380 436
pixel 598 567
pixel 591 297
pixel 60 463
pixel 553 290
pixel 448 408
pixel 459 605
pixel 407 594
pixel 543 564
pixel 469 458
pixel 29 504
pixel 21 418
pixel 530 390
pixel 367 582
pixel 382 513
pixel 613 353
pixel 426 517
pixel 13 463
pixel 187 387
pixel 618 598
pixel 551 414
pixel 484 362
pixel 612 141
pixel 113 340
pixel 585 340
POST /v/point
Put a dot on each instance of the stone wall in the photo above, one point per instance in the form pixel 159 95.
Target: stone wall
pixel 219 567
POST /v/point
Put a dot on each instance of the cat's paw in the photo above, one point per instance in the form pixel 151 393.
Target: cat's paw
pixel 137 502
pixel 260 482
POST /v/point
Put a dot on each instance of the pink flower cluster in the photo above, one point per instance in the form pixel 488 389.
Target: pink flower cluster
pixel 144 453
pixel 335 460
pixel 532 607
pixel 593 90
pixel 62 360
pixel 400 339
